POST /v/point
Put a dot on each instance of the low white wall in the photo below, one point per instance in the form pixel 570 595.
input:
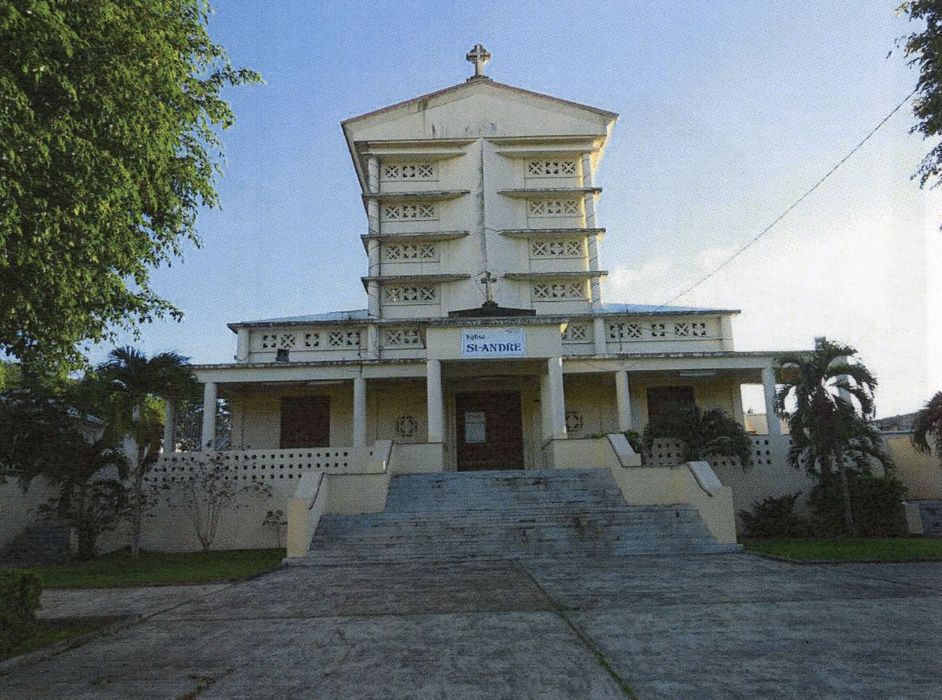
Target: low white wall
pixel 417 458
pixel 694 483
pixel 18 507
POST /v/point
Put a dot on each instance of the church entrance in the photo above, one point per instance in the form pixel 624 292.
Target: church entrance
pixel 489 430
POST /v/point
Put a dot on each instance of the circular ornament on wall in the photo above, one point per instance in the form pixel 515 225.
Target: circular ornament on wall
pixel 574 421
pixel 406 426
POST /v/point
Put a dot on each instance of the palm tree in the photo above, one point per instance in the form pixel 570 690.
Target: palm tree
pixel 135 380
pixel 89 499
pixel 833 401
pixel 928 423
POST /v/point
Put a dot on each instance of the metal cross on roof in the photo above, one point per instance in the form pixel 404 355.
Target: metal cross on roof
pixel 478 56
pixel 487 280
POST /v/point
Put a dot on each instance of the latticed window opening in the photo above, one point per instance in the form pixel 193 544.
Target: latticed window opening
pixel 577 333
pixel 558 291
pixel 408 171
pixel 343 339
pixel 408 252
pixel 409 212
pixel 690 329
pixel 621 330
pixel 555 167
pixel 279 341
pixel 553 207
pixel 409 295
pixel 658 330
pixel 312 340
pixel 402 338
pixel 556 249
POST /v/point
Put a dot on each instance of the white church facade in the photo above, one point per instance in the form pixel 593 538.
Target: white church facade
pixel 485 342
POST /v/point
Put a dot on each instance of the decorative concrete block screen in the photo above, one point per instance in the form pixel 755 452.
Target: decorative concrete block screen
pixel 268 465
pixel 665 452
pixel 767 451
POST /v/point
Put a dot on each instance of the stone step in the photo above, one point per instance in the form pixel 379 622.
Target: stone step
pixel 470 490
pixel 347 523
pixel 515 514
pixel 39 544
pixel 398 556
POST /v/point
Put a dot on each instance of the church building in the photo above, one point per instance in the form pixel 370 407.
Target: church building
pixel 486 343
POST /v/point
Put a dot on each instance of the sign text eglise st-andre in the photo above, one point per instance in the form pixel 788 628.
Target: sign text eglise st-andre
pixel 493 342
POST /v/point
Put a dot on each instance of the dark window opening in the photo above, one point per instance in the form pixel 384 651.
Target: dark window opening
pixel 305 421
pixel 664 400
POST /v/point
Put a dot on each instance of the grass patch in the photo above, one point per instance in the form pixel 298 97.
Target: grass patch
pixel 851 549
pixel 160 569
pixel 59 630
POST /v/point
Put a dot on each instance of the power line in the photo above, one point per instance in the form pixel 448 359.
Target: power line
pixel 785 213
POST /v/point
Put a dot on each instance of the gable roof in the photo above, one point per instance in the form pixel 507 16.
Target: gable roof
pixel 472 82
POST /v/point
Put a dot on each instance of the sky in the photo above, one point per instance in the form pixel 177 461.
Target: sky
pixel 729 112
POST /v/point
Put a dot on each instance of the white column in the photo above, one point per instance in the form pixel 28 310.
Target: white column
pixel 242 345
pixel 359 412
pixel 599 335
pixel 372 299
pixel 556 397
pixel 208 437
pixel 372 341
pixel 726 333
pixel 768 386
pixel 623 399
pixel 372 247
pixel 435 404
pixel 170 420
pixel 546 411
pixel 593 243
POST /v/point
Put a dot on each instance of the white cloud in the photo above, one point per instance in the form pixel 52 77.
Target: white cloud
pixel 861 281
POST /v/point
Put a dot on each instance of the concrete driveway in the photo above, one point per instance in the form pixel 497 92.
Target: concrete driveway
pixel 692 627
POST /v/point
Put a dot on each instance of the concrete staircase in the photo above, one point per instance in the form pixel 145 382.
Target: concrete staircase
pixel 515 514
pixel 39 544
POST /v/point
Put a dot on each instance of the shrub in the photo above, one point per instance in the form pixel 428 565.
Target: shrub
pixel 19 600
pixel 876 503
pixel 774 517
pixel 704 434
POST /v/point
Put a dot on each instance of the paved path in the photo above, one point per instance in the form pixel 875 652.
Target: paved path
pixel 107 602
pixel 694 627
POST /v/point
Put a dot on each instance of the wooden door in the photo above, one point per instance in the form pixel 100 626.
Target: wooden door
pixel 305 421
pixel 489 430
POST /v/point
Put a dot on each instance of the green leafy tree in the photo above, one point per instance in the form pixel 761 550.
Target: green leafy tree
pixel 928 426
pixel 109 145
pixel 704 434
pixel 924 51
pixel 135 382
pixel 36 434
pixel 829 426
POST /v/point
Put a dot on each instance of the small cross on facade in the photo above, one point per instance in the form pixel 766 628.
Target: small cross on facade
pixel 487 280
pixel 478 56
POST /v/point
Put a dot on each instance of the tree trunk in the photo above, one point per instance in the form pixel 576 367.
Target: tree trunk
pixel 845 495
pixel 138 486
pixel 136 512
pixel 86 543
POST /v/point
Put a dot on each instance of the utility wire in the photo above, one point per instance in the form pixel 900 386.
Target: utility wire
pixel 785 213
